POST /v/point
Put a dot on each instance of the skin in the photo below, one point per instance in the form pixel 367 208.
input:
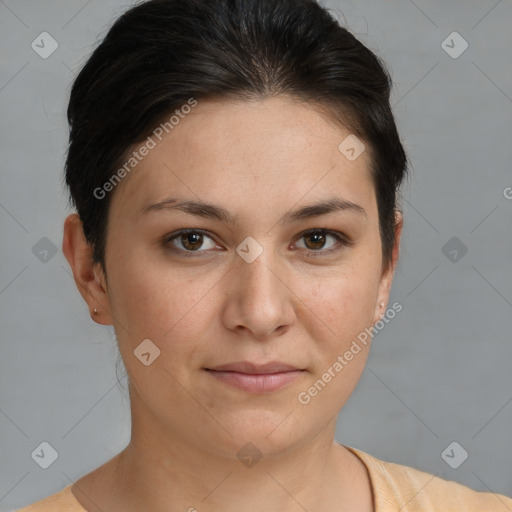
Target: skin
pixel 295 304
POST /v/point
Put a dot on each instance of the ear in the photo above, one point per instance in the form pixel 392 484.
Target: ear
pixel 387 276
pixel 89 277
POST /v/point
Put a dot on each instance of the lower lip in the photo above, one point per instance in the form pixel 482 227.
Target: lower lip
pixel 257 383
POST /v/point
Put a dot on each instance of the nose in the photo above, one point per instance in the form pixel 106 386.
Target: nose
pixel 259 299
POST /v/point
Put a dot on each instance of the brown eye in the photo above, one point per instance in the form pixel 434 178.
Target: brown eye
pixel 188 242
pixel 315 241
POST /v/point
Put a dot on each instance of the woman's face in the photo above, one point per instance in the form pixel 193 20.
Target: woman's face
pixel 253 288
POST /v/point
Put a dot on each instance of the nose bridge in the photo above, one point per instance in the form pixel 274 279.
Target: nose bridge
pixel 259 279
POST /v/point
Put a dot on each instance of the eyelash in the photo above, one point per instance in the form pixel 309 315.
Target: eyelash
pixel 340 239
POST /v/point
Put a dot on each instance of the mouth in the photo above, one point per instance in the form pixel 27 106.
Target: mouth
pixel 254 378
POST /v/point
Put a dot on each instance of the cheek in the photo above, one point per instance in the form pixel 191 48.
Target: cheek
pixel 160 302
pixel 341 312
pixel 342 302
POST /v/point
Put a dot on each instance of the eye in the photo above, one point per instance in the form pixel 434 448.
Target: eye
pixel 190 240
pixel 316 240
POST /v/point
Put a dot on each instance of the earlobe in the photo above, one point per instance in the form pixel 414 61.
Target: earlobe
pixel 88 279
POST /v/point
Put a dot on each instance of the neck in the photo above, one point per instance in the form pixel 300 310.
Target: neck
pixel 164 472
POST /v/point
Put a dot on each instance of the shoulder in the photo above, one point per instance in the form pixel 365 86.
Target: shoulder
pixel 402 487
pixel 62 501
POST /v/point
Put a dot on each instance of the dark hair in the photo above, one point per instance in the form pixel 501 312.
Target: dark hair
pixel 161 53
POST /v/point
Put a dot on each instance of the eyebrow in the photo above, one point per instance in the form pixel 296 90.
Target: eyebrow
pixel 211 211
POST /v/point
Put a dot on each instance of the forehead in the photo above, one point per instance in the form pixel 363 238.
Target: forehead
pixel 254 152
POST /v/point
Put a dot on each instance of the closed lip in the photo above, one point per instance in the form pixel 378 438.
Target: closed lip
pixel 255 369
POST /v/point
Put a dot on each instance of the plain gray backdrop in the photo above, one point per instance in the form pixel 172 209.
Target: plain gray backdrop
pixel 440 372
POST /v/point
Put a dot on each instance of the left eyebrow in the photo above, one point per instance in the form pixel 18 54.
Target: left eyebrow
pixel 211 211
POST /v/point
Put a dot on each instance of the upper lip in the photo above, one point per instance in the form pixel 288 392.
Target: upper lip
pixel 252 368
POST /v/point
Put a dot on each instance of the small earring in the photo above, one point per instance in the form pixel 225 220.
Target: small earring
pixel 95 311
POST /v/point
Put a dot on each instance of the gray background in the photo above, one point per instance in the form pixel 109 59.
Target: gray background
pixel 439 372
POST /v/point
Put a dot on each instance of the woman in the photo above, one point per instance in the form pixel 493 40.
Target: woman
pixel 235 165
